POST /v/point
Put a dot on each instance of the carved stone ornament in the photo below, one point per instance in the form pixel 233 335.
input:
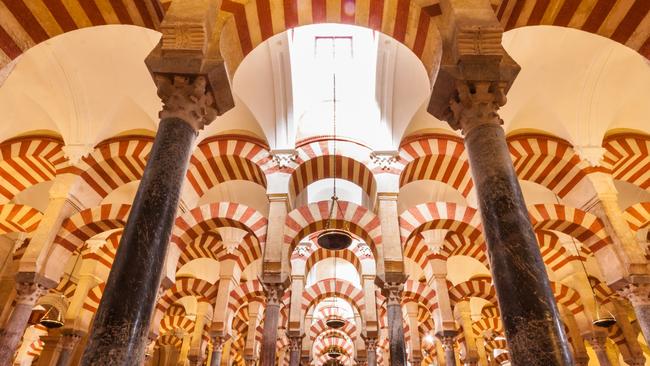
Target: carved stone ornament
pixel 393 293
pixel 447 342
pixel 273 292
pixel 69 340
pixel 295 343
pixel 217 343
pixel 371 344
pixel 384 159
pixel 29 292
pixel 476 103
pixel 187 98
pixel 636 294
pixel 284 158
pixel 598 342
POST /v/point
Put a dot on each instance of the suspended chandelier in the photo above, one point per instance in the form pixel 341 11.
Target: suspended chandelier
pixel 334 351
pixel 332 238
pixel 53 317
pixel 335 321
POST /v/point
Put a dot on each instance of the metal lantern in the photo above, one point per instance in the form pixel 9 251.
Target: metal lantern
pixel 334 352
pixel 606 321
pixel 335 322
pixel 52 319
pixel 334 239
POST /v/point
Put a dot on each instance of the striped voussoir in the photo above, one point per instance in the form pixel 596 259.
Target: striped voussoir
pixel 209 217
pixel 585 227
pixel 322 167
pixel 82 226
pixel 170 339
pixel 106 253
pixel 450 216
pixel 628 157
pixel 638 216
pixel 326 340
pixel 320 326
pixel 246 292
pixel 548 161
pixel 321 254
pixel 209 245
pixel 623 21
pixel 26 23
pixel 420 293
pixel 35 348
pixel 221 159
pixel 171 323
pixel 568 297
pixel 333 287
pixel 202 290
pixel 502 358
pixel 603 293
pixel 312 218
pixel 435 157
pixel 479 286
pixel 555 255
pixel 91 303
pixel 28 161
pixel 15 218
pixel 493 323
pixel 114 163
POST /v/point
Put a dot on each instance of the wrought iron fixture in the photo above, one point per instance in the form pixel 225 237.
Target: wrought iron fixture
pixel 335 322
pixel 52 320
pixel 334 351
pixel 332 238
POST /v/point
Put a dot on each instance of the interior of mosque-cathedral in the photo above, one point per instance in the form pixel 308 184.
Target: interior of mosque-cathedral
pixel 176 176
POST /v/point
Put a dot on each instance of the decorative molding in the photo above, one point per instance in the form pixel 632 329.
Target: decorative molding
pixel 384 159
pixel 284 158
pixel 186 98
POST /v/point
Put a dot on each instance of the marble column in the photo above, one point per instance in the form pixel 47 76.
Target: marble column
pixel 397 344
pixel 295 345
pixel 120 329
pixel 639 297
pixel 217 350
pixel 599 344
pixel 69 341
pixel 447 342
pixel 28 292
pixel 273 292
pixel 371 350
pixel 528 309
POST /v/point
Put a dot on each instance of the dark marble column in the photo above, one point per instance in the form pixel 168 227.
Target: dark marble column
pixel 530 316
pixel 295 345
pixel 273 292
pixel 69 341
pixel 447 342
pixel 371 351
pixel 639 297
pixel 217 349
pixel 598 343
pixel 28 292
pixel 397 344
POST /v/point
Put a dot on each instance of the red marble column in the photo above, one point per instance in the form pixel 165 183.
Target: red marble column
pixel 273 293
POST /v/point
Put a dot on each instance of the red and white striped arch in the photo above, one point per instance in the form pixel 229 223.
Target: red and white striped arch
pixel 476 287
pixel 82 226
pixel 638 215
pixel 320 326
pixel 407 22
pixel 555 256
pixel 209 217
pixel 91 303
pixel 585 227
pixel 18 218
pixel 312 218
pixel 202 290
pixel 28 161
pixel 417 250
pixel 246 292
pixel 420 293
pixel 567 296
pixel 228 157
pixel 115 162
pixel 209 245
pixel 169 339
pixel 322 167
pixel 174 322
pixel 321 253
pixel 330 288
pixel 440 215
pixel 326 340
pixel 484 324
pixel 106 253
pixel 628 157
pixel 435 157
pixel 548 161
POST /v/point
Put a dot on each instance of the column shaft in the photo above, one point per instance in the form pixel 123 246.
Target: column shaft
pixel 271 318
pixel 69 341
pixel 397 344
pixel 448 347
pixel 639 297
pixel 371 349
pixel 295 345
pixel 217 351
pixel 120 329
pixel 530 316
pixel 28 294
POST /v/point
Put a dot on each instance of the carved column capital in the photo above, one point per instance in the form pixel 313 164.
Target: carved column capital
pixel 70 339
pixel 371 344
pixel 447 342
pixel 361 362
pixel 186 97
pixel 295 343
pixel 393 292
pixel 27 293
pixel 598 342
pixel 273 293
pixel 636 294
pixel 217 343
pixel 476 103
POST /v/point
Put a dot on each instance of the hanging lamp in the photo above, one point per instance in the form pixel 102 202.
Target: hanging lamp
pixel 335 321
pixel 601 321
pixel 53 320
pixel 332 238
